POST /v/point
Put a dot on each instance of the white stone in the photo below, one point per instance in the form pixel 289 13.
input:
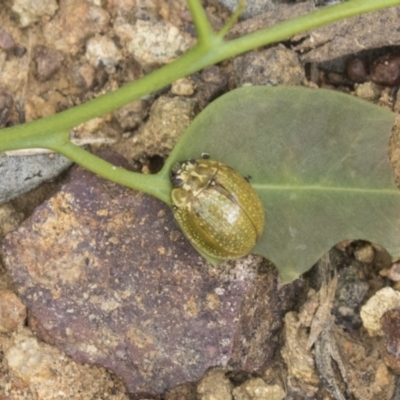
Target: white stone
pixel 100 50
pixel 183 87
pixel 153 43
pixel 371 313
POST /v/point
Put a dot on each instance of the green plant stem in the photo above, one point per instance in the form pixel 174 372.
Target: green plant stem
pixel 154 185
pixel 210 49
pixel 194 60
pixel 233 19
pixel 201 23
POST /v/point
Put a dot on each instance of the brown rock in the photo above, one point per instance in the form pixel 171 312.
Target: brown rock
pixel 48 62
pixel 210 83
pixel 108 278
pixel 75 22
pixel 83 75
pixel 12 311
pixel 356 69
pixel 385 70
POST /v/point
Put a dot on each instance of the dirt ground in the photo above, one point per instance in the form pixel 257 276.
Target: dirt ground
pixel 337 333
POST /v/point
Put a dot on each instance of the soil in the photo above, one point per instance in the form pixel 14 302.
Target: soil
pixel 59 55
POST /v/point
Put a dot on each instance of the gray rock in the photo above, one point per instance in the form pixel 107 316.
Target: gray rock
pixel 275 66
pixel 253 7
pixel 19 174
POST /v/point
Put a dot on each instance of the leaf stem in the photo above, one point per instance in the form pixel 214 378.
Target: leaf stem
pixel 315 19
pixel 155 185
pixel 203 27
pixel 233 19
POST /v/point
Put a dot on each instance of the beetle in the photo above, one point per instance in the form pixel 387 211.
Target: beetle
pixel 217 209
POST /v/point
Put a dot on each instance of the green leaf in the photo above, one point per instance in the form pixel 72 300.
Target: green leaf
pixel 318 160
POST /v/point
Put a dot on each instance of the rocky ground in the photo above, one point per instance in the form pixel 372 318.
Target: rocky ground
pixel 85 314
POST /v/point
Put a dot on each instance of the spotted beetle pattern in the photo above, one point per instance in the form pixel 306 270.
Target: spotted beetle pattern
pixel 217 209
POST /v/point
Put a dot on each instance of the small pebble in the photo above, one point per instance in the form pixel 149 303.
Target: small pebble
pixel 48 62
pixel 356 69
pixel 365 253
pixel 100 50
pixel 83 75
pixel 394 272
pixel 19 51
pixel 367 90
pixel 183 87
pixel 371 313
pixel 385 70
pixel 12 311
pixel 6 40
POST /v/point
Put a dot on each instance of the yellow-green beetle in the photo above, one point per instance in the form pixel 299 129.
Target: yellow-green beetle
pixel 217 209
